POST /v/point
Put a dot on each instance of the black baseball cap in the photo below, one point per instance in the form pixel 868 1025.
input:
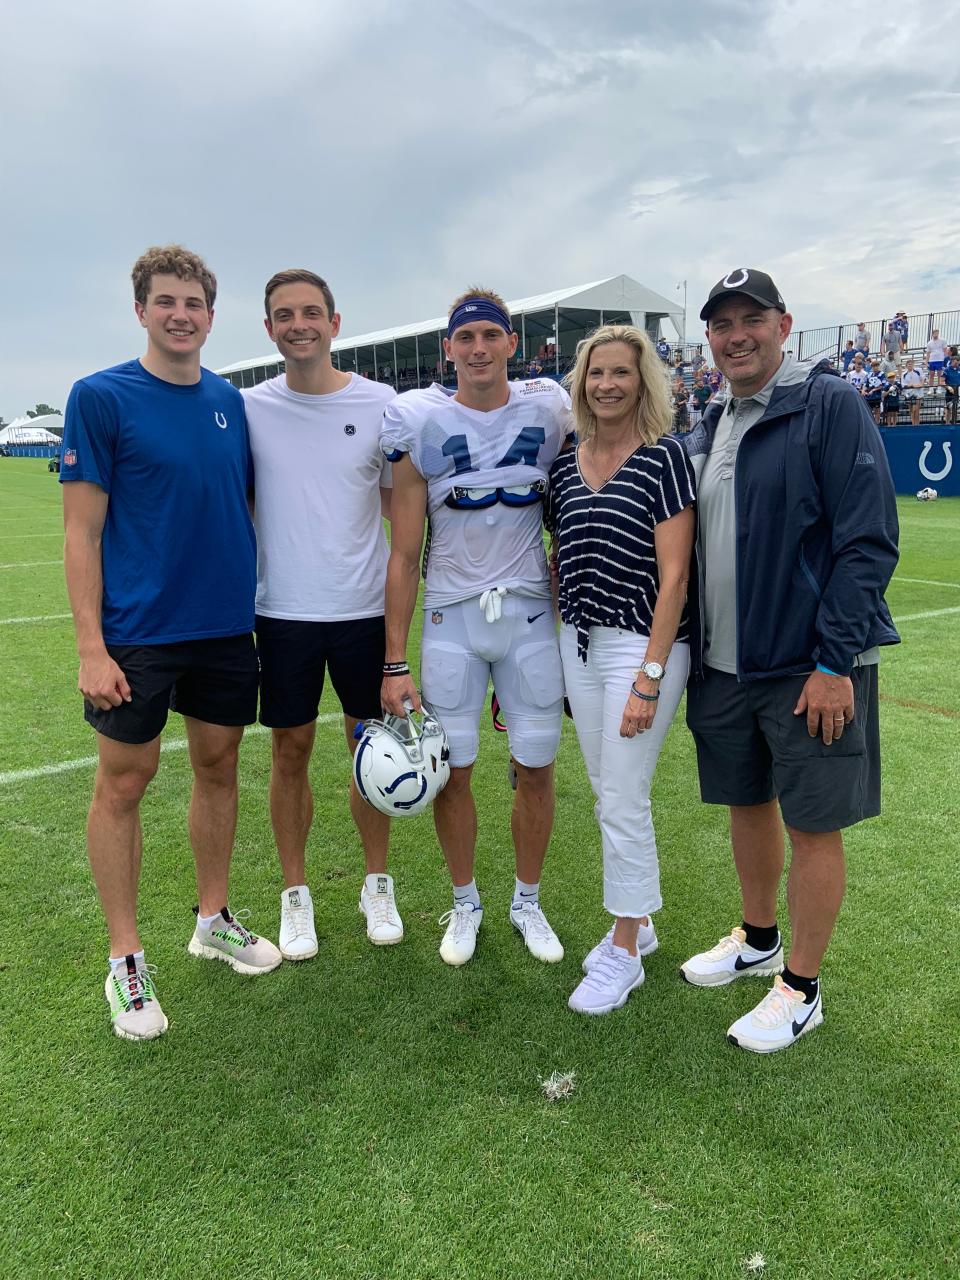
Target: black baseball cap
pixel 752 284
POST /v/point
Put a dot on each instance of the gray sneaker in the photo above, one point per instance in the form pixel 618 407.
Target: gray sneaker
pixel 228 939
pixel 134 1007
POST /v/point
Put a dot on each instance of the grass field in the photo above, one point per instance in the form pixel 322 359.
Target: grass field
pixel 376 1114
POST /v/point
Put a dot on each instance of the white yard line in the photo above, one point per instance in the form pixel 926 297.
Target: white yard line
pixel 930 613
pixel 22 537
pixel 31 564
pixel 89 762
pixel 40 617
pixel 928 582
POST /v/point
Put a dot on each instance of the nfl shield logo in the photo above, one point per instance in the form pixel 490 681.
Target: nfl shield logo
pixel 70 458
pixel 436 617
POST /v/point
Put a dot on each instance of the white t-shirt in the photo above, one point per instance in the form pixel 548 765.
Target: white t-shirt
pixel 321 550
pixel 486 477
pixel 936 349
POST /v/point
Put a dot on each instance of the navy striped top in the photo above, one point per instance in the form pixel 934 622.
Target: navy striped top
pixel 605 538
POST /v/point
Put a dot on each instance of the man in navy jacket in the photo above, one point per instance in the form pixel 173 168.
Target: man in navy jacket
pixel 797 541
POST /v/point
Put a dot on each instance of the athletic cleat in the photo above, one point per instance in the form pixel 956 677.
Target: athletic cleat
pixel 779 1020
pixel 460 940
pixel 646 945
pixel 609 982
pixel 730 959
pixel 384 926
pixel 231 941
pixel 134 1007
pixel 541 940
pixel 298 933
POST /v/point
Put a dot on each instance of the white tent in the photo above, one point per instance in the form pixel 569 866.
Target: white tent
pixel 32 430
pixel 613 297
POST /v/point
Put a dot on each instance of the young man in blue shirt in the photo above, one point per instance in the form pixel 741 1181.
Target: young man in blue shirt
pixel 161 571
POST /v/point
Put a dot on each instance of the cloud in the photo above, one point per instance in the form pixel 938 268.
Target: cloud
pixel 405 152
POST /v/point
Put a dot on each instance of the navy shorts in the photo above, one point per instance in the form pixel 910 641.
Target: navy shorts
pixel 210 680
pixel 295 655
pixel 751 749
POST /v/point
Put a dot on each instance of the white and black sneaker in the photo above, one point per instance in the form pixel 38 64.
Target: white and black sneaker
pixel 778 1021
pixel 730 959
pixel 298 931
pixel 379 905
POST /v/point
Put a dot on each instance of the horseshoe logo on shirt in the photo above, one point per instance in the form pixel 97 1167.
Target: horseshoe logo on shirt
pixel 221 420
pixel 948 456
pixel 730 283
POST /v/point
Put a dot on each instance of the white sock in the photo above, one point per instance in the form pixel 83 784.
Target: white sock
pixel 120 962
pixel 526 893
pixel 467 893
pixel 207 922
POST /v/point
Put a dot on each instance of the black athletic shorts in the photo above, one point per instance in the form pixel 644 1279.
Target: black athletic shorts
pixel 210 680
pixel 751 748
pixel 294 656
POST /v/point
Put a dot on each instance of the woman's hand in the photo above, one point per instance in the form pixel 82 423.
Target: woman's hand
pixel 638 713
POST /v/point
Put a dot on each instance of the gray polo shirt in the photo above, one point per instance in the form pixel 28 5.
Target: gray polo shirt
pixel 717 536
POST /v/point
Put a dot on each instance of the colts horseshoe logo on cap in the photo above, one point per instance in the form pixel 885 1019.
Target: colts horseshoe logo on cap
pixel 730 283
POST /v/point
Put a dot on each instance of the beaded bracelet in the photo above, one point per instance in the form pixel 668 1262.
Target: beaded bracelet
pixel 644 697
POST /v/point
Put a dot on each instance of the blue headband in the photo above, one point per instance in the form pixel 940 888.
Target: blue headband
pixel 478 309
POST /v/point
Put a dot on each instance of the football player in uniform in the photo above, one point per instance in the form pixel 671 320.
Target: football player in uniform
pixel 474 463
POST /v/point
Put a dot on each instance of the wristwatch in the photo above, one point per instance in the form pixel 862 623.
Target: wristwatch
pixel 652 670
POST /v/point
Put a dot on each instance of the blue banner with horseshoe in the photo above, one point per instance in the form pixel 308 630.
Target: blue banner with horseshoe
pixel 922 457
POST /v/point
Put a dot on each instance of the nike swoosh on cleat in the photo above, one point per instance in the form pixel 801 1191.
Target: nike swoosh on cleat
pixel 537 615
pixel 742 964
pixel 799 1026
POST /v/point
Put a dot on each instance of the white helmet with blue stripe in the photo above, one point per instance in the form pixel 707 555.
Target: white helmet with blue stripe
pixel 402 763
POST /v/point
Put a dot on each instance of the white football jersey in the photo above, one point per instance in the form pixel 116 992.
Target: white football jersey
pixel 486 477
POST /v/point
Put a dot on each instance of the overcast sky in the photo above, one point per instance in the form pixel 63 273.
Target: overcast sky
pixel 407 150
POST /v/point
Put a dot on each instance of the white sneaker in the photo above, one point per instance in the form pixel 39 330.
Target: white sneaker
pixel 611 979
pixel 780 1018
pixel 384 926
pixel 298 933
pixel 460 940
pixel 229 940
pixel 646 945
pixel 730 959
pixel 541 940
pixel 134 1007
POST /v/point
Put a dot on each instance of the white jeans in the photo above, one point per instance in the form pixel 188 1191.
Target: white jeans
pixel 621 769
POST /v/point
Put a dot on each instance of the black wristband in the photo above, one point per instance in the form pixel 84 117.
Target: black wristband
pixel 644 697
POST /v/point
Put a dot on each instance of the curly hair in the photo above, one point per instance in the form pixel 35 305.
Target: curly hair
pixel 655 406
pixel 172 260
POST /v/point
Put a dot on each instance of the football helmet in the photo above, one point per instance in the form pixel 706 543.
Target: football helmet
pixel 402 763
pixel 926 495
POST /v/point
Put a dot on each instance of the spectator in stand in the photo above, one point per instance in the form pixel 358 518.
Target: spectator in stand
pixel 890 343
pixel 663 350
pixel 890 363
pixel 714 380
pixel 681 418
pixel 891 399
pixel 535 368
pixel 861 339
pixel 847 354
pixel 951 378
pixel 701 396
pixel 873 389
pixel 699 363
pixel 912 383
pixel 857 374
pixel 679 365
pixel 936 355
pixel 902 326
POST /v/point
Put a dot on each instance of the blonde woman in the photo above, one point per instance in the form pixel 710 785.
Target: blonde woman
pixel 621 513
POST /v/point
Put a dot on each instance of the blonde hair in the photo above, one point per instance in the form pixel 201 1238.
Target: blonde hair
pixel 655 405
pixel 478 292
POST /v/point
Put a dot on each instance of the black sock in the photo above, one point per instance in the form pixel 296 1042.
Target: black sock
pixel 760 938
pixel 808 986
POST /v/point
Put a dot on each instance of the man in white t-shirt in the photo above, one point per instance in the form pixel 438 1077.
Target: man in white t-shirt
pixel 321 488
pixel 912 383
pixel 475 463
pixel 935 354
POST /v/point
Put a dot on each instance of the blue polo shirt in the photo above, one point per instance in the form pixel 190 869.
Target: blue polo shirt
pixel 178 550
